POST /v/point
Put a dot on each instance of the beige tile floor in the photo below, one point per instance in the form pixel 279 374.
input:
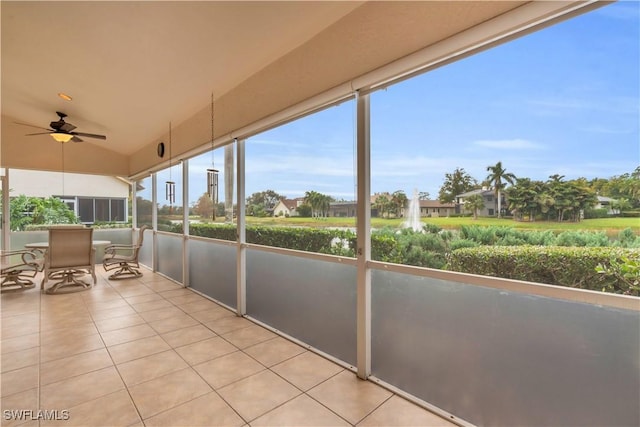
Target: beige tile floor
pixel 147 352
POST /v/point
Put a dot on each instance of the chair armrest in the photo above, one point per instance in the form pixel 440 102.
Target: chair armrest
pixel 112 249
pixel 25 253
pixel 30 257
pixel 120 246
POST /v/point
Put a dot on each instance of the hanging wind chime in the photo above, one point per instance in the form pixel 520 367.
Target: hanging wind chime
pixel 212 174
pixel 170 186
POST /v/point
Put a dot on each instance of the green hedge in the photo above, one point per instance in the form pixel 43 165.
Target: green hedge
pixel 565 266
pixel 596 213
pixel 302 239
pixel 557 265
pixel 338 242
pixel 214 231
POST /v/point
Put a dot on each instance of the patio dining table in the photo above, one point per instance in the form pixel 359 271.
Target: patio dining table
pixel 45 245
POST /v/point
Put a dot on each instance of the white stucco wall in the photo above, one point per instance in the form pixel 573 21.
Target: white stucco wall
pixel 45 184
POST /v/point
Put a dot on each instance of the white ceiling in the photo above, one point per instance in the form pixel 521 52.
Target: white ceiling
pixel 133 67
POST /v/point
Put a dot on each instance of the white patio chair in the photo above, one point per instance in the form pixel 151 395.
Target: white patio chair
pixel 124 258
pixel 70 256
pixel 17 274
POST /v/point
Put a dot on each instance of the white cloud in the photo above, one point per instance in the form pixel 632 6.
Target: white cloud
pixel 563 104
pixel 508 144
pixel 602 169
pixel 606 130
pixel 301 166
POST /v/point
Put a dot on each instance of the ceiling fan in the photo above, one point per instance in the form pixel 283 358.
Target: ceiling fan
pixel 62 131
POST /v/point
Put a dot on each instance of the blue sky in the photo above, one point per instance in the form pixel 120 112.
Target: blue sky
pixel 561 100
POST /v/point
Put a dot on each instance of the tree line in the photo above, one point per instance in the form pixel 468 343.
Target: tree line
pixel 554 199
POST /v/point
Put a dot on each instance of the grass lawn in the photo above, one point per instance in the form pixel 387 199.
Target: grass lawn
pixel 609 225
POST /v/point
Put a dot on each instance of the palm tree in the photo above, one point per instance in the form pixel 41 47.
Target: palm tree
pixel 382 204
pixel 312 198
pixel 474 203
pixel 399 200
pixel 325 204
pixel 319 203
pixel 497 178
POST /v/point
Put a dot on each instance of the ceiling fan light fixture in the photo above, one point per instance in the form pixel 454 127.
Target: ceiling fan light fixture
pixel 64 96
pixel 61 137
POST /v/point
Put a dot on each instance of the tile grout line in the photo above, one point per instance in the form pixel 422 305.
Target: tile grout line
pixel 126 387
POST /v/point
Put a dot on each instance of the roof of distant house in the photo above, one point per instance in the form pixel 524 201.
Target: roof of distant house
pixel 482 191
pixel 290 204
pixel 605 199
pixel 435 204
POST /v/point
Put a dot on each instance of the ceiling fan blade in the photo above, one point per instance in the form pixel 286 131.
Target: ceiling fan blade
pixel 76 139
pixel 67 127
pixel 33 126
pixel 38 133
pixel 89 135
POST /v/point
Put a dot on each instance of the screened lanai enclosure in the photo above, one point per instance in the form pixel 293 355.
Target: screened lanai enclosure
pixel 475 350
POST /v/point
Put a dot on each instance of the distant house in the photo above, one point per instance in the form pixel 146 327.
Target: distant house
pixel 342 209
pixel 288 207
pixel 435 208
pixel 607 203
pixel 428 208
pixel 490 202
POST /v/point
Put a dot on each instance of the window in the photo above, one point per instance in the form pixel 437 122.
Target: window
pixel 169 199
pixel 91 210
pixel 118 211
pixel 102 207
pixel 86 210
pixel 144 203
pixel 212 187
pixel 309 160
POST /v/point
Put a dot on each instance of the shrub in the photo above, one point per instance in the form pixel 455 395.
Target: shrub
pixel 541 238
pixel 302 239
pixel 384 248
pixel 625 269
pixel 432 228
pixel 447 235
pixel 583 238
pixel 103 225
pixel 630 214
pixel 482 235
pixel 421 249
pixel 627 238
pixel 511 240
pixel 596 213
pixel 463 243
pixel 214 231
pixel 564 266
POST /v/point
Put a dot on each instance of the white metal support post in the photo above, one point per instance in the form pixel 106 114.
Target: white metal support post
pixel 154 221
pixel 134 205
pixel 6 211
pixel 363 229
pixel 185 223
pixel 241 261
